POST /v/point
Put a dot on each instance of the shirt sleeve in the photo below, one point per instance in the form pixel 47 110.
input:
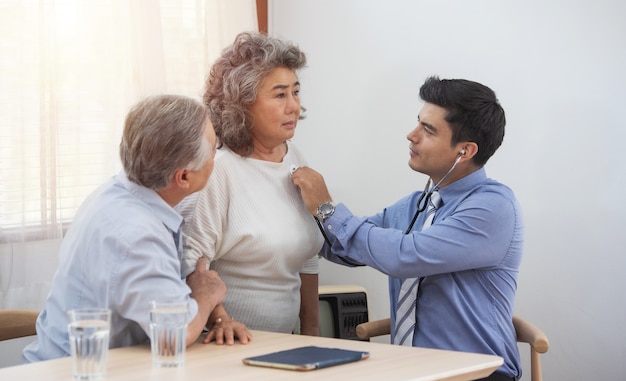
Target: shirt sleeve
pixel 475 235
pixel 148 270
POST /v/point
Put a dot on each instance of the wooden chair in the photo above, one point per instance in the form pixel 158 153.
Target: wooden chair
pixel 526 333
pixel 538 341
pixel 17 323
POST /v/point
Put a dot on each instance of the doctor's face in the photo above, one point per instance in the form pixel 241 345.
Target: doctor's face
pixel 430 150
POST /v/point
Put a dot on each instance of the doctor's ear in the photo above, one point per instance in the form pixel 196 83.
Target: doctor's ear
pixel 468 150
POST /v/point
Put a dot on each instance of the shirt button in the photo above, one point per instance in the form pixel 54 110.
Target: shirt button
pixel 330 227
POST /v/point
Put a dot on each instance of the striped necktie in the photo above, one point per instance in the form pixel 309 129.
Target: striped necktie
pixel 407 299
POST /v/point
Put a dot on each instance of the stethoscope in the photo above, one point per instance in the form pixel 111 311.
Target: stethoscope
pixel 422 202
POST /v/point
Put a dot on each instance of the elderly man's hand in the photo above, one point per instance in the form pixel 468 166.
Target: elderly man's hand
pixel 206 285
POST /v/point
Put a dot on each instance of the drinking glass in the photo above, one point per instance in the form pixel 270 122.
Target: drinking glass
pixel 168 332
pixel 88 330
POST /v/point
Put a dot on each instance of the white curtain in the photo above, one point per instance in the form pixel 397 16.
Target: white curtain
pixel 69 71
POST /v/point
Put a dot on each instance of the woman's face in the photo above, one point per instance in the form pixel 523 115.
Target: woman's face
pixel 277 107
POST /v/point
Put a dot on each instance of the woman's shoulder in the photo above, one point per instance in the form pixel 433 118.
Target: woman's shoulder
pixel 226 159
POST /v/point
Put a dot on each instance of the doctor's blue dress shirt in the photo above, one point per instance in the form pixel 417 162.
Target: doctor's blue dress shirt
pixel 469 259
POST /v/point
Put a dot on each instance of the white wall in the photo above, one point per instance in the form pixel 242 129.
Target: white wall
pixel 26 271
pixel 558 67
pixel 12 350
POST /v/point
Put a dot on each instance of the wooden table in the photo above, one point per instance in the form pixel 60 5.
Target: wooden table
pixel 211 362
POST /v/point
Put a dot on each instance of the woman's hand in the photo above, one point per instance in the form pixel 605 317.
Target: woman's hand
pixel 226 330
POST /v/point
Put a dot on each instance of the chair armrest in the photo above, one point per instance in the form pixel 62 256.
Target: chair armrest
pixel 529 333
pixel 17 323
pixel 373 328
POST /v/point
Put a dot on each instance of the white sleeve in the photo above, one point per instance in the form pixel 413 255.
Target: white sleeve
pixel 311 266
pixel 203 212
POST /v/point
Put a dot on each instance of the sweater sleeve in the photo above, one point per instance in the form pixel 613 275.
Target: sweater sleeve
pixel 203 212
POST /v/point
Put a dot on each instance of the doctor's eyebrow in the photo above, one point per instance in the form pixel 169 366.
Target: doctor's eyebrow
pixel 427 126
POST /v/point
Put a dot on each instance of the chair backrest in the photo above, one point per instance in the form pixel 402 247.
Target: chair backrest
pixel 17 323
pixel 526 333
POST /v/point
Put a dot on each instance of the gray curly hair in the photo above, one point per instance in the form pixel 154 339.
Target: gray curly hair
pixel 232 84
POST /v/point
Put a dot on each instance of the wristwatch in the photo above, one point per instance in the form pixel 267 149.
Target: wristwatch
pixel 325 210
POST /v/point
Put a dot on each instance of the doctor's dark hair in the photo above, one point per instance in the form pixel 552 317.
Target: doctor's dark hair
pixel 232 84
pixel 473 113
pixel 162 134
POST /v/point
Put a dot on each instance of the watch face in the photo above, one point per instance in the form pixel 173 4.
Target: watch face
pixel 326 208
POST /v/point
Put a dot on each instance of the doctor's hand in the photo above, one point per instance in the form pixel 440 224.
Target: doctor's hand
pixel 312 188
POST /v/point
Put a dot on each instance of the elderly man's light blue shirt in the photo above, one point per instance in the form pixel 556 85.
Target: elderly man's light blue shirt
pixel 121 252
pixel 469 258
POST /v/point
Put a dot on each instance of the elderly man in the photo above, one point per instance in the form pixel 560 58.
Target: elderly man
pixel 123 248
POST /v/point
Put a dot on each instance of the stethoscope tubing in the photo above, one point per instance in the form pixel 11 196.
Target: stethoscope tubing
pixel 425 196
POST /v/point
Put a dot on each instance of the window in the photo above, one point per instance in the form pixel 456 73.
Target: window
pixel 69 71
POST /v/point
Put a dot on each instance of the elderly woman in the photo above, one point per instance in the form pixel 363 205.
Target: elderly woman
pixel 250 221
